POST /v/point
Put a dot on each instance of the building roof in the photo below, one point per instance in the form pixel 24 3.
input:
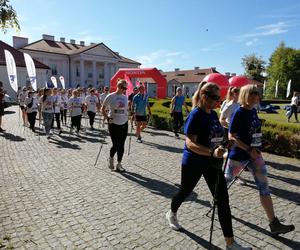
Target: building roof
pixel 18 56
pixel 184 76
pixel 65 48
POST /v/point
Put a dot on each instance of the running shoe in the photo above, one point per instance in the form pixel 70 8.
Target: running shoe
pixel 111 163
pixel 119 167
pixel 278 228
pixel 172 220
pixel 237 246
pixel 139 139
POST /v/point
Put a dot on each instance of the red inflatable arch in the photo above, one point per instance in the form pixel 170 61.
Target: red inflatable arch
pixel 220 80
pixel 238 81
pixel 154 73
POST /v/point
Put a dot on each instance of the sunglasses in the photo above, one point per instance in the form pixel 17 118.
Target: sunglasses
pixel 213 97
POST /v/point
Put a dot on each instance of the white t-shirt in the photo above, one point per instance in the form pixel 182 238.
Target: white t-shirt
pixel 48 104
pixel 57 103
pixel 64 101
pixel 118 108
pixel 75 105
pixel 102 97
pixel 92 102
pixel 34 107
pixel 294 100
pixel 22 96
pixel 228 110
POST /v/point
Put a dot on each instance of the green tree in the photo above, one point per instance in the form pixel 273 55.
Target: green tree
pixel 284 65
pixel 254 67
pixel 8 16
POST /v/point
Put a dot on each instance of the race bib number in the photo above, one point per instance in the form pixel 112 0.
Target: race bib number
pixel 256 140
pixel 217 141
pixel 119 111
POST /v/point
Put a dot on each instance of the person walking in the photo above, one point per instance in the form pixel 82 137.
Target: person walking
pixel 117 123
pixel 47 107
pixel 21 98
pixel 31 104
pixel 75 106
pixel 294 106
pixel 176 111
pixel 139 104
pixel 57 105
pixel 93 105
pixel 245 131
pixel 1 109
pixel 204 135
pixel 64 107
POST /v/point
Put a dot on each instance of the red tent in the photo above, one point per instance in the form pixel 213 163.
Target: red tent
pixel 220 80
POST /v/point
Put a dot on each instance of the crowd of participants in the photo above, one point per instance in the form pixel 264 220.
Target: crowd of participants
pixel 209 139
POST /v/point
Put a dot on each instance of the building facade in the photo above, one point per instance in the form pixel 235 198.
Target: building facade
pixel 80 64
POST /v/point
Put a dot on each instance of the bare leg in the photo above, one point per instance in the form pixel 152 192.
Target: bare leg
pixel 266 202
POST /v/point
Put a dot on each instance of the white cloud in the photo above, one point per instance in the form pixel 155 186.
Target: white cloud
pixel 265 30
pixel 161 58
pixel 212 47
pixel 251 42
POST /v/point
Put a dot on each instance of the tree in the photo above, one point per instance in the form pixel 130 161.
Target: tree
pixel 284 65
pixel 254 67
pixel 8 16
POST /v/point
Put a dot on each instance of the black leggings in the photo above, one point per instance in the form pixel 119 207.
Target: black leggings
pixel 294 110
pixel 177 121
pixel 63 115
pixel 92 117
pixel 118 134
pixel 31 119
pixel 76 121
pixel 57 118
pixel 190 175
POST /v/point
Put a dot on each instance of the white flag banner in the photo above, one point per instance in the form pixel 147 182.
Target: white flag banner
pixel 62 81
pixel 46 84
pixel 288 90
pixel 276 89
pixel 30 70
pixel 11 70
pixel 54 81
pixel 264 89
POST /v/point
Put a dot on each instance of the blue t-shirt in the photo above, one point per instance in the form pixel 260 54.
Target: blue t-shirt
pixel 139 104
pixel 246 124
pixel 209 133
pixel 179 100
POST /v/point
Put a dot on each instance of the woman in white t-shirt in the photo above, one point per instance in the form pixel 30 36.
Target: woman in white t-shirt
pixel 64 107
pixel 31 104
pixel 117 122
pixel 57 104
pixel 47 104
pixel 92 104
pixel 294 106
pixel 75 106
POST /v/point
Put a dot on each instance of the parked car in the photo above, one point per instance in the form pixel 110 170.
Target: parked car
pixel 7 101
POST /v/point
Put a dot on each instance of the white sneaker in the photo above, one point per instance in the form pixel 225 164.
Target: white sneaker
pixel 236 246
pixel 111 163
pixel 119 167
pixel 172 220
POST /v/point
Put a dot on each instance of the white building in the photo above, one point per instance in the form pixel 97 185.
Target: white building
pixel 22 75
pixel 79 64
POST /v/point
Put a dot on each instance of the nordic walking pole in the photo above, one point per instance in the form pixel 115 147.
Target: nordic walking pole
pixel 100 149
pixel 129 141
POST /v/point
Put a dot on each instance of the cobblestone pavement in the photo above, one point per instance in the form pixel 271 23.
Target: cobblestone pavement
pixel 52 196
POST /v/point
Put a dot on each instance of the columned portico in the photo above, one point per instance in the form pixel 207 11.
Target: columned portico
pixel 95 77
pixel 106 74
pixel 82 77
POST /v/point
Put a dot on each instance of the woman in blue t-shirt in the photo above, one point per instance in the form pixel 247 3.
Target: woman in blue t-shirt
pixel 246 152
pixel 176 111
pixel 204 135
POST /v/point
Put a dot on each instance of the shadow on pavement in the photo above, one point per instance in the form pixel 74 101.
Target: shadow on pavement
pixel 161 188
pixel 163 147
pixel 280 166
pixel 290 243
pixel 12 137
pixel 285 179
pixel 204 243
pixel 64 144
pixel 284 194
pixel 9 112
pixel 155 133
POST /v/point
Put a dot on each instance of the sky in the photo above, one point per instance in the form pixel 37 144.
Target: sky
pixel 167 34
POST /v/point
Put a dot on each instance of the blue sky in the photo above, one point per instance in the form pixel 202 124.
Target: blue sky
pixel 168 34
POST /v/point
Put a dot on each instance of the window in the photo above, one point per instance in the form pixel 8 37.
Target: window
pixel 53 69
pixel 77 72
pixel 90 75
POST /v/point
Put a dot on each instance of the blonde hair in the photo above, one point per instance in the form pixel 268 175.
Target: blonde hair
pixel 121 82
pixel 245 92
pixel 204 88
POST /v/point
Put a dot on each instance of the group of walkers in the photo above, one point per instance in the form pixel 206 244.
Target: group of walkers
pixel 207 138
pixel 204 151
